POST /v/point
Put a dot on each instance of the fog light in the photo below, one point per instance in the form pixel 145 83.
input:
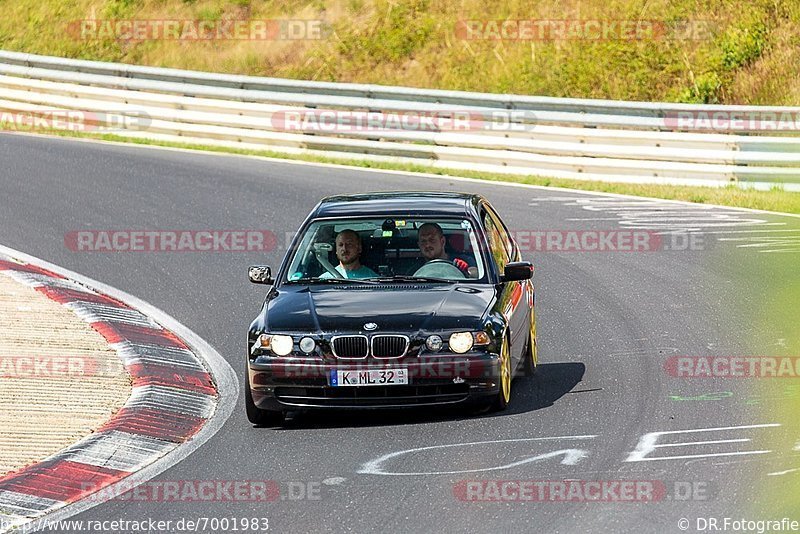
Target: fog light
pixel 307 345
pixel 461 342
pixel 434 343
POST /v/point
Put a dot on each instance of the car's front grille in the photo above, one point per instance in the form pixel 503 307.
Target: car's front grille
pixel 350 347
pixel 389 346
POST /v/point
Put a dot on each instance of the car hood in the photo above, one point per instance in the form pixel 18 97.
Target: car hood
pixel 401 308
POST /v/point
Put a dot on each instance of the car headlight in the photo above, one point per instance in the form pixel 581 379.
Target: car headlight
pixel 278 344
pixel 434 343
pixel 281 345
pixel 460 342
pixel 307 345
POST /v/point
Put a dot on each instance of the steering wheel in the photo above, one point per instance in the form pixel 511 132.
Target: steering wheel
pixel 439 268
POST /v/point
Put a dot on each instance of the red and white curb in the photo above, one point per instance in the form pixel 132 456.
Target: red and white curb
pixel 182 392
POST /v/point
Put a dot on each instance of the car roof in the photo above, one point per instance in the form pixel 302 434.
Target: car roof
pixel 424 203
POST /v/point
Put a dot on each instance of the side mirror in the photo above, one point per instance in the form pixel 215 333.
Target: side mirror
pixel 260 274
pixel 518 270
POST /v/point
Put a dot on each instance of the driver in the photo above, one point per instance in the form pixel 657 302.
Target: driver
pixel 431 242
pixel 348 250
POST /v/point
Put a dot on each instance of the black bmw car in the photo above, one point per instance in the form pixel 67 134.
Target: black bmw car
pixel 387 300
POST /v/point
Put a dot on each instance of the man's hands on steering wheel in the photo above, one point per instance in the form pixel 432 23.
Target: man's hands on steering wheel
pixel 439 268
pixel 439 261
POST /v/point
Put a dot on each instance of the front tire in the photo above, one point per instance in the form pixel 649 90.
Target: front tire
pixel 256 415
pixel 531 358
pixel 503 398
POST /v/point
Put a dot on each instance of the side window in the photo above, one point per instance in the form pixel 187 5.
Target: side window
pixel 497 243
pixel 508 242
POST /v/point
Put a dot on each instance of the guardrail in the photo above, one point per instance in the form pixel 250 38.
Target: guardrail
pixel 571 138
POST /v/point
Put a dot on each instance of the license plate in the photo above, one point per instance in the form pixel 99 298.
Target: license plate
pixel 371 377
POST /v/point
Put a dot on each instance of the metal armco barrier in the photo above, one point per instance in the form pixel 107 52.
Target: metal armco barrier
pixel 570 138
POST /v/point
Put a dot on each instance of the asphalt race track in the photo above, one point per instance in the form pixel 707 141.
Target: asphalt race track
pixel 607 323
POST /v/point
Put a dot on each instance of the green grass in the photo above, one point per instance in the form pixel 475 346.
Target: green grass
pixel 776 200
pixel 750 53
pixel 758 295
pixel 776 332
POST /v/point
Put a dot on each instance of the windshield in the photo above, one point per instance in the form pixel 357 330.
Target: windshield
pixel 376 249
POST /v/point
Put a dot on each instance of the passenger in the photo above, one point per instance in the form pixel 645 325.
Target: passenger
pixel 348 250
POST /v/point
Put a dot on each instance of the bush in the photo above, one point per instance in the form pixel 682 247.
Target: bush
pixel 743 45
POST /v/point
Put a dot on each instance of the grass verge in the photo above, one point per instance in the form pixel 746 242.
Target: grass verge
pixel 703 51
pixel 777 327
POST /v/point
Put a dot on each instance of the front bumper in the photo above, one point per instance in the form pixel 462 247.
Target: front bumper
pixel 293 383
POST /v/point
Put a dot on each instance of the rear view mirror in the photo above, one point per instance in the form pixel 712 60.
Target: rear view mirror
pixel 260 274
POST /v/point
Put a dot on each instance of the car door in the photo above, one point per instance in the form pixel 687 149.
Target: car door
pixel 513 295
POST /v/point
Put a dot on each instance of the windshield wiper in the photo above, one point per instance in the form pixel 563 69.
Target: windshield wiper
pixel 331 281
pixel 408 278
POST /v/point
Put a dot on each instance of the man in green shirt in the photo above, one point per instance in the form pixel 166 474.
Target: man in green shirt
pixel 348 250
